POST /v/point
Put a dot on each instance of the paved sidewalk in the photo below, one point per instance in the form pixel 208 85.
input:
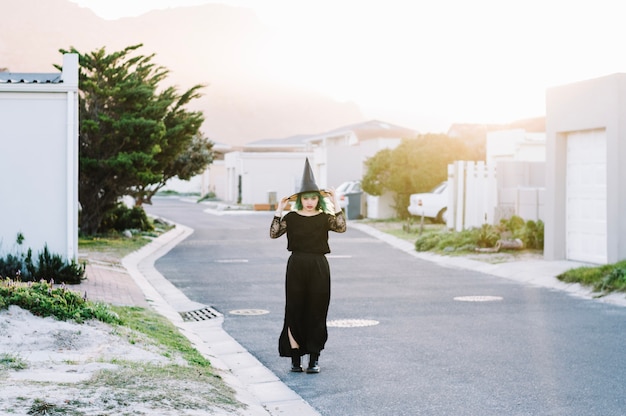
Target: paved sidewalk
pixel 138 283
pixel 111 284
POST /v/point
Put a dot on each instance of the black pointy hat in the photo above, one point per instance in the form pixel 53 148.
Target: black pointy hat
pixel 308 181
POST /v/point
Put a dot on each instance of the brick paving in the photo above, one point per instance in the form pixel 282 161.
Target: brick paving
pixel 110 284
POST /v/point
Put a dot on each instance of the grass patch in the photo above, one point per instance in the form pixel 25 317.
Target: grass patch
pixel 164 387
pixel 604 279
pixel 43 407
pixel 10 361
pixel 116 245
pixel 167 387
pixel 42 299
pixel 161 331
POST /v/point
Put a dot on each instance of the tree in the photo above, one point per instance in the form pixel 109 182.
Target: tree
pixel 131 135
pixel 416 165
pixel 187 153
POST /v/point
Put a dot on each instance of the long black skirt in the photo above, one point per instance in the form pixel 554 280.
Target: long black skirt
pixel 307 293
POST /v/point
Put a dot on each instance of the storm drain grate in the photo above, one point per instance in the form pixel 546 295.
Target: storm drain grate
pixel 200 315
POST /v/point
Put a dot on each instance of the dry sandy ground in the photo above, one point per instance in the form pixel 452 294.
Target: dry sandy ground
pixel 64 363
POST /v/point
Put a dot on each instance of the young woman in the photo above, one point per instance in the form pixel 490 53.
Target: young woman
pixel 307 282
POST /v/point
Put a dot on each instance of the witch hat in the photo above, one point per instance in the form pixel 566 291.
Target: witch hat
pixel 308 181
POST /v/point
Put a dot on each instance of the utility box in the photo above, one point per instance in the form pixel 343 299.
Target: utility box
pixel 271 199
pixel 353 209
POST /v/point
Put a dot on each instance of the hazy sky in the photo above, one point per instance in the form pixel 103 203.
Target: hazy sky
pixel 427 63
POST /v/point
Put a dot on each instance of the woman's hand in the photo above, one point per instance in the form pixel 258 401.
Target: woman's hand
pixel 333 196
pixel 281 206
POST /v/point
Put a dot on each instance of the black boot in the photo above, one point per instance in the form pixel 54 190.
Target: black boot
pixel 296 363
pixel 314 366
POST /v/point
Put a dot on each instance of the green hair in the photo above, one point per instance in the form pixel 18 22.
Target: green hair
pixel 321 201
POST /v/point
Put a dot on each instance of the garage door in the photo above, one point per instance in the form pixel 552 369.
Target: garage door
pixel 586 216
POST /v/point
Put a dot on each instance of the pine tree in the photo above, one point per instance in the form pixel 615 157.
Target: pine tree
pixel 132 136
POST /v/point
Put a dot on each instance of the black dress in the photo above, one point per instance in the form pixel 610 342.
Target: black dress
pixel 307 280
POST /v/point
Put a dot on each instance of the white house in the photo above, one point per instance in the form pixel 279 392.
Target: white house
pixel 264 170
pixel 260 179
pixel 515 144
pixel 211 181
pixel 340 155
pixel 39 169
pixel 275 165
pixel 586 178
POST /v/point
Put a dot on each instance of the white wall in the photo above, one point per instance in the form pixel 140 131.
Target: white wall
pixel 39 168
pixel 379 207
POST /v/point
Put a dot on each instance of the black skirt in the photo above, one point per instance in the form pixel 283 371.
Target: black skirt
pixel 307 294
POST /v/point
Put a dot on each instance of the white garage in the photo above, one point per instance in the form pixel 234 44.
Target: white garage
pixel 585 190
pixel 585 179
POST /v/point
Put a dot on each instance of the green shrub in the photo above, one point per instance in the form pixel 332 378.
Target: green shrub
pixel 48 266
pixel 487 236
pixel 530 232
pixel 453 241
pixel 11 265
pixel 427 242
pixel 123 218
pixel 208 197
pixel 513 224
pixel 53 266
pixel 615 280
pixel 42 299
pixel 448 240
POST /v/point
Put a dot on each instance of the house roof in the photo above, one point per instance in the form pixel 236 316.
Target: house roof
pixel 372 129
pixel 293 142
pixel 30 78
pixel 533 125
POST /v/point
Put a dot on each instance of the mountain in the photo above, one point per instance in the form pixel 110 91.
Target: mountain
pixel 219 46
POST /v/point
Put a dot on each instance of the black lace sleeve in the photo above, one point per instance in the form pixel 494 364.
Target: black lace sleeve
pixel 337 223
pixel 278 227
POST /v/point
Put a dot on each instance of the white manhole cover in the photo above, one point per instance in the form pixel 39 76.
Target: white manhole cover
pixel 249 312
pixel 351 323
pixel 231 261
pixel 478 298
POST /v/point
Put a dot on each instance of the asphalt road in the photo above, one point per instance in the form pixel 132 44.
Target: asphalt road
pixel 530 351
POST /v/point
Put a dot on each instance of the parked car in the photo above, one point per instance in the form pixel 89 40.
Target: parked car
pixel 433 204
pixel 345 188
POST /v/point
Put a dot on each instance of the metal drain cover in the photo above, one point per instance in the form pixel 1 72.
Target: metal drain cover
pixel 200 315
pixel 351 323
pixel 478 298
pixel 249 312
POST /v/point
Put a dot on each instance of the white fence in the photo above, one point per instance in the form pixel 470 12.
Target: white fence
pixel 472 194
pixel 481 194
